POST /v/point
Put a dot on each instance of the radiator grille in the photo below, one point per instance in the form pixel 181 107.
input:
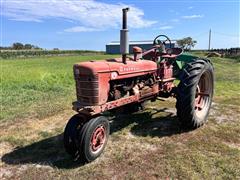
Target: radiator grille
pixel 87 89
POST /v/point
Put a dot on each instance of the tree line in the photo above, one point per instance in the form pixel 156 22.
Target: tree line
pixel 21 46
pixel 186 43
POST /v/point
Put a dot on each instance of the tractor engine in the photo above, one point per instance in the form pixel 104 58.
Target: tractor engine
pixel 99 82
pixel 131 86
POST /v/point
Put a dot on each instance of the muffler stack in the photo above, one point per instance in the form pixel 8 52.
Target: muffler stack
pixel 124 46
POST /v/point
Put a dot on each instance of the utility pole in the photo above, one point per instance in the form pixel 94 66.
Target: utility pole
pixel 209 40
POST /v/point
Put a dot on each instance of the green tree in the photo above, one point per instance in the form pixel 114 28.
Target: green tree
pixel 17 46
pixel 28 46
pixel 36 47
pixel 186 43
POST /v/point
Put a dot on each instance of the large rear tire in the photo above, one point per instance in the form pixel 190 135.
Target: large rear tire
pixel 194 93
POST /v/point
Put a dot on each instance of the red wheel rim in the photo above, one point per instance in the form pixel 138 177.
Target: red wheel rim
pixel 203 93
pixel 98 139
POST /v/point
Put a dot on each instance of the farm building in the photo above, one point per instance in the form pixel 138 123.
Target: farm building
pixel 114 46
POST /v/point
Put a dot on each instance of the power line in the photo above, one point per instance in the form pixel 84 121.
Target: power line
pixel 200 34
pixel 224 34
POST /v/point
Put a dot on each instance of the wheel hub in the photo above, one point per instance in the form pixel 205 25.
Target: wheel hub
pixel 202 95
pixel 198 100
pixel 98 139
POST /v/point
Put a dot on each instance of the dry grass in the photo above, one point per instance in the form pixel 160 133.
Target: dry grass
pixel 148 144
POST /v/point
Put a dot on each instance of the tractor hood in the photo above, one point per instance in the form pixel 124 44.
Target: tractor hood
pixel 91 67
pixel 116 65
pixel 131 67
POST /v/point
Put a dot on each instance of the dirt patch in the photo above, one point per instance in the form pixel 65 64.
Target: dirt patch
pixel 224 113
pixel 15 172
pixel 22 133
pixel 5 173
pixel 149 140
pixel 5 148
pixel 16 143
pixel 233 145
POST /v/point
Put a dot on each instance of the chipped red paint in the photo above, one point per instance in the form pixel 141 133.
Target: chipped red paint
pixel 92 78
pixel 135 68
pixel 93 81
pixel 165 70
pixel 92 110
pixel 97 139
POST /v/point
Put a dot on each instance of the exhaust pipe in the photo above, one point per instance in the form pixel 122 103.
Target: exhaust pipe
pixel 124 46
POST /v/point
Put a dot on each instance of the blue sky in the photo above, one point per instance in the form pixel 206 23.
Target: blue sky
pixel 90 24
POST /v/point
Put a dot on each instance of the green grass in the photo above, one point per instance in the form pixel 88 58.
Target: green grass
pixel 38 87
pixel 227 79
pixel 144 145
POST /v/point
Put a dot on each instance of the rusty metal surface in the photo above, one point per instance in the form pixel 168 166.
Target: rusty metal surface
pixel 92 110
pixel 166 70
pixel 93 81
pixel 116 65
pixel 92 78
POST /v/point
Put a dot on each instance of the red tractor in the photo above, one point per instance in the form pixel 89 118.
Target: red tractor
pixel 126 82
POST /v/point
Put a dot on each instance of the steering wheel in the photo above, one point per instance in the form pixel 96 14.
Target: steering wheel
pixel 157 41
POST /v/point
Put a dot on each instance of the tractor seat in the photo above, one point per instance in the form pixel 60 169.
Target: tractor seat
pixel 172 52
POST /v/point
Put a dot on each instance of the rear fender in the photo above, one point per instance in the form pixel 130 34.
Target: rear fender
pixel 183 59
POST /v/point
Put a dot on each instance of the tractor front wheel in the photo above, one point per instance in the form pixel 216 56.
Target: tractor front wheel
pixel 94 137
pixel 195 92
pixel 71 132
pixel 86 139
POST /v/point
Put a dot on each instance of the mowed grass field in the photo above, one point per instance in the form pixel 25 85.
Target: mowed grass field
pixel 38 87
pixel 36 96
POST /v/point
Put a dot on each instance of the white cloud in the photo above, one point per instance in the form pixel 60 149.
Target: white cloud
pixel 190 7
pixel 165 27
pixel 81 29
pixel 89 15
pixel 192 16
